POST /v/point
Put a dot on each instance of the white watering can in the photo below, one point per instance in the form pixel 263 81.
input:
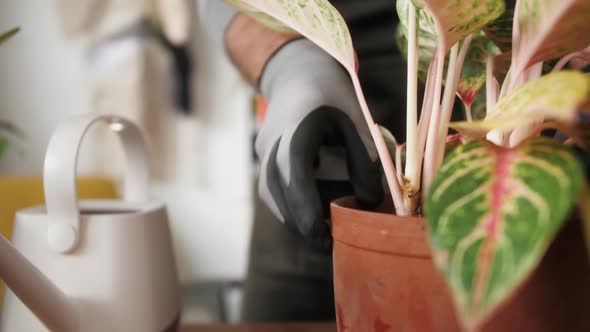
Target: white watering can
pixel 88 266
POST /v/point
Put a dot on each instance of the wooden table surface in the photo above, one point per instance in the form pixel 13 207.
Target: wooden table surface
pixel 295 327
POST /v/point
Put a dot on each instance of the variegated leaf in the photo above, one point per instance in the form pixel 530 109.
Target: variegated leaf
pixel 317 20
pixel 500 30
pixel 550 29
pixel 556 96
pixel 492 213
pixel 473 73
pixel 261 17
pixel 4 36
pixel 457 19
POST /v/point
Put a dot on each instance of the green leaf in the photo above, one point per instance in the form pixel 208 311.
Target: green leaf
pixel 261 17
pixel 392 144
pixel 3 145
pixel 6 35
pixel 390 140
pixel 550 29
pixel 458 18
pixel 556 96
pixel 492 212
pixel 473 73
pixel 478 108
pixel 500 30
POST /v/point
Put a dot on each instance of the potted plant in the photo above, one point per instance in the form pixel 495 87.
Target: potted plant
pixel 497 196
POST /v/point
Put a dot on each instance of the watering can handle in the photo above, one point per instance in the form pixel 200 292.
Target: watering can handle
pixel 59 177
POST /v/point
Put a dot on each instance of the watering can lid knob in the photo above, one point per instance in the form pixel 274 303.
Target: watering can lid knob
pixel 62 237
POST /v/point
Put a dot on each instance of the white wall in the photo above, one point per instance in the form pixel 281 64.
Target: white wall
pixel 42 81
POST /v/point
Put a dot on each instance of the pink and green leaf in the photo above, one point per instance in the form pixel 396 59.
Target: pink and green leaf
pixel 456 19
pixel 317 20
pixel 261 17
pixel 6 35
pixel 473 73
pixel 556 96
pixel 492 212
pixel 551 29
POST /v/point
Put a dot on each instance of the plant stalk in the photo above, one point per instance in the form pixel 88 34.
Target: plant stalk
pixel 398 162
pixel 491 88
pixel 390 172
pixel 430 153
pixel 425 114
pixel 411 169
pixel 468 114
pixel 563 61
pixel 453 74
pixel 382 150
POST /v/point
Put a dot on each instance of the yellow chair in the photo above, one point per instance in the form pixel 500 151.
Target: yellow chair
pixel 17 193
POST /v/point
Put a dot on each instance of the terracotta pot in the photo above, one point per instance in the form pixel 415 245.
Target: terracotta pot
pixel 385 280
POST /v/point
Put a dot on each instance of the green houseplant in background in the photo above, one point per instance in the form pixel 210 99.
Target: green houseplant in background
pixel 496 194
pixel 6 128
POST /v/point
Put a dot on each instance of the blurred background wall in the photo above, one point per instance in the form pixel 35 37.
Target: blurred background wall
pixel 203 159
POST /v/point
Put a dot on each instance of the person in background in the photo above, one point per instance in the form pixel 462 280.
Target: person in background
pixel 314 146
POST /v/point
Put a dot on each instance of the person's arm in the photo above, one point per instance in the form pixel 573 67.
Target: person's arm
pixel 248 43
pixel 251 44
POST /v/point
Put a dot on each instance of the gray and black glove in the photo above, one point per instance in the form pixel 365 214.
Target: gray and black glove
pixel 314 143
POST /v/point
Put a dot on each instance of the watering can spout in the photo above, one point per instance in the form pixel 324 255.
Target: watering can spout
pixel 35 290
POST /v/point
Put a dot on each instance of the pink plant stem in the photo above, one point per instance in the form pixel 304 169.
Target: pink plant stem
pixel 411 169
pixel 468 114
pixel 398 161
pixel 462 55
pixel 559 66
pixel 425 113
pixel 515 46
pixel 431 144
pixel 386 161
pixel 453 74
pixel 390 172
pixel 491 85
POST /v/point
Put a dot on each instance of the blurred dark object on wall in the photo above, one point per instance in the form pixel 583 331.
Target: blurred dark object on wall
pixel 183 68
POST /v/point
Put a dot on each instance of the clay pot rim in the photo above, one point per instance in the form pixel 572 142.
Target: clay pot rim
pixel 378 231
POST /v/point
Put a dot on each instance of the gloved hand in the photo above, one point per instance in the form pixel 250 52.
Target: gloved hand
pixel 314 143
